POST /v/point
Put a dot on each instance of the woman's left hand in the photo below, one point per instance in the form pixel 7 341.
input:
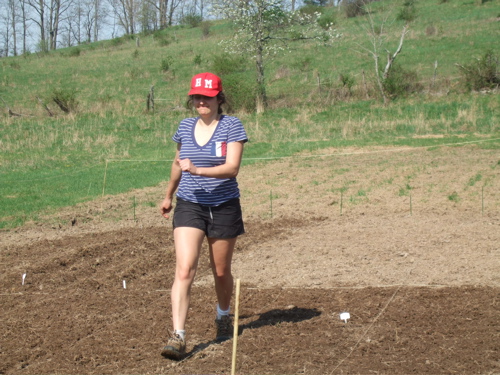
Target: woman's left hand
pixel 187 166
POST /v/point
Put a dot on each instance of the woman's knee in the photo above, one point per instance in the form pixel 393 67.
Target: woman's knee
pixel 185 273
pixel 222 273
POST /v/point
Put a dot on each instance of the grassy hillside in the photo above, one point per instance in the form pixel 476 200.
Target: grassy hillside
pixel 50 162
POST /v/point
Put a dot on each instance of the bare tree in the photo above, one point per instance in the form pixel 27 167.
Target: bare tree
pixel 24 20
pixel 5 29
pixel 148 16
pixel 100 14
pixel 7 26
pixel 14 16
pixel 127 14
pixel 174 4
pixel 39 7
pixel 57 9
pixel 79 23
pixel 162 8
pixel 376 36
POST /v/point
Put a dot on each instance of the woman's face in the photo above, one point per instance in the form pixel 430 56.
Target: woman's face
pixel 206 105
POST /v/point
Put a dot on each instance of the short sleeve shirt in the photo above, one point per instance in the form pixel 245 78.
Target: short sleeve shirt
pixel 208 191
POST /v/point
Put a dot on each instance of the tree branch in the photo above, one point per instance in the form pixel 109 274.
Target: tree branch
pixel 390 59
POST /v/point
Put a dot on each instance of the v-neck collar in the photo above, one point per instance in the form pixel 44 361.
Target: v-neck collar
pixel 211 137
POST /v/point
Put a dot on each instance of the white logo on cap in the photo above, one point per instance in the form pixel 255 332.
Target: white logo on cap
pixel 208 83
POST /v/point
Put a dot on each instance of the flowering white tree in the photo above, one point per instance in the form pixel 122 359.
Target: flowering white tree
pixel 263 29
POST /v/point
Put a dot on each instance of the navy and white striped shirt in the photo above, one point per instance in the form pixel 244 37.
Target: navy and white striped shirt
pixel 208 191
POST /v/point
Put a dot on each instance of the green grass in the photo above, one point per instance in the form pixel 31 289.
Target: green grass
pixel 51 162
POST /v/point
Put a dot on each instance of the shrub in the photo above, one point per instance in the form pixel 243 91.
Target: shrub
pixel 165 63
pixel 205 28
pixel 240 92
pixel 192 20
pixel 326 20
pixel 120 40
pixel 408 12
pixel 162 38
pixel 134 73
pixel 481 74
pixel 303 63
pixel 15 65
pixel 431 30
pixel 197 59
pixel 346 80
pixel 73 52
pixel 311 9
pixel 401 82
pixel 42 46
pixel 226 64
pixel 354 8
pixel 65 99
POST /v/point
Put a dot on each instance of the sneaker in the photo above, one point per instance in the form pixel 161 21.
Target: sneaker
pixel 224 329
pixel 175 348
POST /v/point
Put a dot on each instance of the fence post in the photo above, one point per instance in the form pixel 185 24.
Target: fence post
pixel 434 76
pixel 152 97
pixel 364 85
pixel 150 103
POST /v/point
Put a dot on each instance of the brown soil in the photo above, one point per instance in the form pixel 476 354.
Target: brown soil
pixel 405 240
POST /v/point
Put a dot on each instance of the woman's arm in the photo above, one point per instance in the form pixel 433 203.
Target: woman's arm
pixel 173 184
pixel 227 170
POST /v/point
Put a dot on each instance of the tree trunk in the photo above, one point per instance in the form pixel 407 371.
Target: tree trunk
pixel 379 79
pixel 39 7
pixel 13 19
pixel 96 17
pixel 261 84
pixel 131 15
pixel 55 12
pixel 25 25
pixel 261 100
pixel 163 14
pixel 390 59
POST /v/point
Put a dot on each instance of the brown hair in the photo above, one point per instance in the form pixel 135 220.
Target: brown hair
pixel 221 98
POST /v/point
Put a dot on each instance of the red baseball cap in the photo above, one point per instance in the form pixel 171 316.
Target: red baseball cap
pixel 206 84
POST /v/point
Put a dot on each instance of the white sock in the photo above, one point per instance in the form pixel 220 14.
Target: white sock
pixel 181 333
pixel 221 313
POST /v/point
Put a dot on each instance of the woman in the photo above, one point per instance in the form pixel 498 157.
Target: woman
pixel 207 161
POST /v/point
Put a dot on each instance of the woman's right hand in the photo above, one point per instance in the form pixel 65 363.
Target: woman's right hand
pixel 166 207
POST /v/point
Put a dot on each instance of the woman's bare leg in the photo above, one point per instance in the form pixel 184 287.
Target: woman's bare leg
pixel 221 255
pixel 188 243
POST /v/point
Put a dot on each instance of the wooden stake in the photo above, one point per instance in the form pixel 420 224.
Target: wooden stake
pixel 271 202
pixel 104 181
pixel 236 316
pixel 482 200
pixel 411 207
pixel 341 201
pixel 134 208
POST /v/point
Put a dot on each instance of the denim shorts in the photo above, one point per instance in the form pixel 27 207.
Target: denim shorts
pixel 223 221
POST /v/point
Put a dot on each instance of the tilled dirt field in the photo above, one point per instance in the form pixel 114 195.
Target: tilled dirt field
pixel 407 241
